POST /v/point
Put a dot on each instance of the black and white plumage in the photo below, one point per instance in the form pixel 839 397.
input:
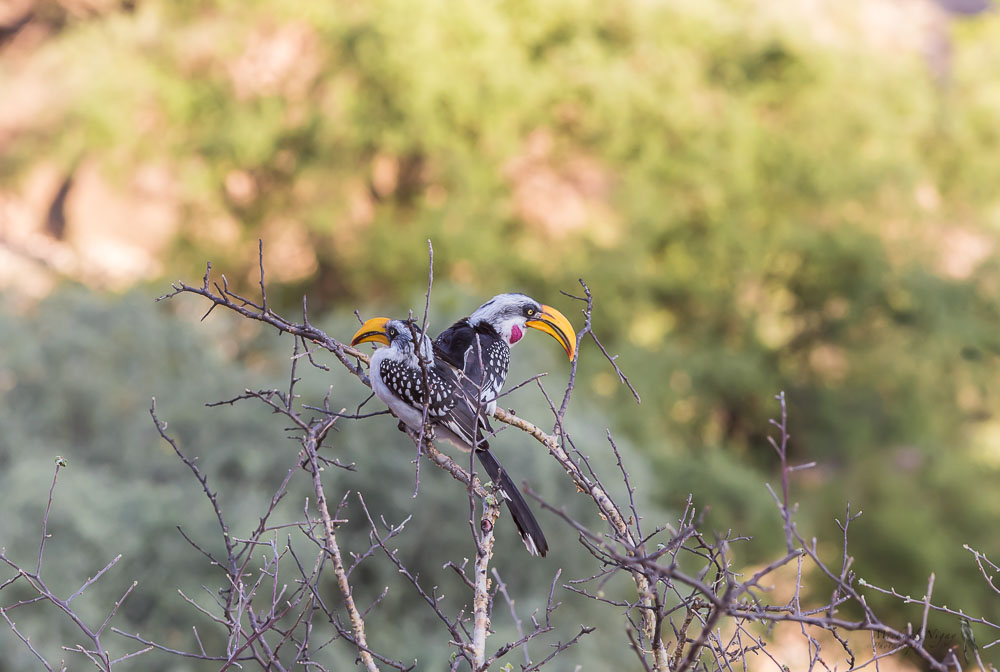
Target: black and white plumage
pixel 488 334
pixel 453 406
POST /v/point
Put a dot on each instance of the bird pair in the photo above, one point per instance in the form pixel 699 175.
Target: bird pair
pixel 459 376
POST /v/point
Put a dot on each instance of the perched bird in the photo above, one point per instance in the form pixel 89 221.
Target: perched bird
pixel 453 407
pixel 497 325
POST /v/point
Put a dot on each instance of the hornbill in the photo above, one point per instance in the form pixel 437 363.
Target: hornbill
pixel 453 406
pixel 497 325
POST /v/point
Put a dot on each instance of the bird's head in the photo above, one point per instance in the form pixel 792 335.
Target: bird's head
pixel 396 334
pixel 509 314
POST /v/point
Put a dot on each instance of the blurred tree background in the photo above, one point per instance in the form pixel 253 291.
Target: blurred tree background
pixel 763 196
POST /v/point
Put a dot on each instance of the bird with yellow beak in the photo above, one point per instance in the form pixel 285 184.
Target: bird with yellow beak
pixel 488 335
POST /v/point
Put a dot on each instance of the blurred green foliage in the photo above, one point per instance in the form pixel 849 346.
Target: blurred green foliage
pixel 756 209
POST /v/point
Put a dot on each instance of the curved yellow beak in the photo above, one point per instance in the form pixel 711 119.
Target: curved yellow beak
pixel 372 330
pixel 555 324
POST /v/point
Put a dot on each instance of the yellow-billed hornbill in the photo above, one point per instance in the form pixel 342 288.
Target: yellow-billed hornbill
pixel 453 406
pixel 497 325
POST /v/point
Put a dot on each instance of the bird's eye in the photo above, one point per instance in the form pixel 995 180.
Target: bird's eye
pixel 529 311
pixel 392 332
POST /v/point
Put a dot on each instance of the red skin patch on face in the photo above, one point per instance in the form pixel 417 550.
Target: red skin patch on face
pixel 515 334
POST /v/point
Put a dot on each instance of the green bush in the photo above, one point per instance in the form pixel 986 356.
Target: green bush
pixel 755 209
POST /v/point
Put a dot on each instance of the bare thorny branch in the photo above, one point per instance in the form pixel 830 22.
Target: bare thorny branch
pixel 727 597
pixel 94 650
pixel 690 609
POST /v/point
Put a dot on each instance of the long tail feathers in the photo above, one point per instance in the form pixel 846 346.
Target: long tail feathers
pixel 524 519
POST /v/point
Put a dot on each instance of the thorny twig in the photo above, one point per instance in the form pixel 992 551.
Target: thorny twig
pixel 95 651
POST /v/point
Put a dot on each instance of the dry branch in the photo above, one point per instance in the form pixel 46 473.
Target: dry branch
pixel 708 618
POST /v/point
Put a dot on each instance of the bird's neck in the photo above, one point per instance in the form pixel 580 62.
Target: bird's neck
pixel 406 357
pixel 487 329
